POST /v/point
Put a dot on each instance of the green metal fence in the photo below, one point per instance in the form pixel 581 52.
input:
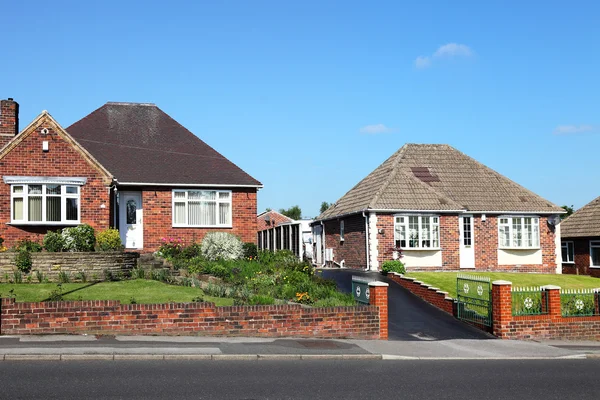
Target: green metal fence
pixel 360 289
pixel 474 295
pixel 529 301
pixel 579 302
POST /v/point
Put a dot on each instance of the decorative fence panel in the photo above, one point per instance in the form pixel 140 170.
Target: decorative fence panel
pixel 529 301
pixel 579 302
pixel 474 295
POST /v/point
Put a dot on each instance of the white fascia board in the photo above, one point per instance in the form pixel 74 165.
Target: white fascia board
pixel 519 212
pixel 185 185
pixel 58 180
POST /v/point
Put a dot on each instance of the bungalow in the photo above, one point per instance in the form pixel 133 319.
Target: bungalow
pixel 126 165
pixel 580 234
pixel 440 210
pixel 279 232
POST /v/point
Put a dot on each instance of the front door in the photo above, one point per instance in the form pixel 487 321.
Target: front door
pixel 317 233
pixel 467 245
pixel 131 220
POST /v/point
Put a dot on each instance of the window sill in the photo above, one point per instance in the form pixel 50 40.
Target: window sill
pixel 518 248
pixel 569 262
pixel 594 266
pixel 70 223
pixel 421 249
pixel 204 226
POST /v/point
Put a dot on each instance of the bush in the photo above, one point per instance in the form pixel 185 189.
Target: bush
pixel 79 238
pixel 261 300
pixel 109 240
pixel 221 246
pixel 250 250
pixel 28 245
pixel 393 266
pixel 191 251
pixel 169 248
pixel 54 242
pixel 23 260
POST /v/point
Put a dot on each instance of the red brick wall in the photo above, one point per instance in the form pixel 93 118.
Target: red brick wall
pixel 102 317
pixel 385 224
pixel 158 217
pixel 449 242
pixel 431 295
pixel 62 159
pixel 9 120
pixel 582 258
pixel 353 249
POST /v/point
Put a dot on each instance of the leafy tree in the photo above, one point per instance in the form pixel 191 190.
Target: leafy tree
pixel 293 212
pixel 324 206
pixel 569 211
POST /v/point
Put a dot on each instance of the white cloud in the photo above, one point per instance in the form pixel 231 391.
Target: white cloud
pixel 446 51
pixel 375 129
pixel 573 129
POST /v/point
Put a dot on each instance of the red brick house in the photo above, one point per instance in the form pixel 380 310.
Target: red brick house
pixel 580 234
pixel 444 211
pixel 126 165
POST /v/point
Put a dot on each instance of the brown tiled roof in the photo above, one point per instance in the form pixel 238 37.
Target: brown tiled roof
pixel 275 218
pixel 583 222
pixel 139 143
pixel 437 177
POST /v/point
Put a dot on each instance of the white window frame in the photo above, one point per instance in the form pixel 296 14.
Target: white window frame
pixel 513 245
pixel 341 230
pixel 564 246
pixel 63 203
pixel 594 244
pixel 217 200
pixel 402 220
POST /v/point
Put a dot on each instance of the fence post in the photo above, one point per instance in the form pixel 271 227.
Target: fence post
pixel 501 308
pixel 553 297
pixel 379 297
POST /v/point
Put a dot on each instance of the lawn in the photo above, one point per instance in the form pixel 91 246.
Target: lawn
pixel 143 291
pixel 446 281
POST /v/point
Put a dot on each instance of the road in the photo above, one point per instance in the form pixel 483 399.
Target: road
pixel 326 379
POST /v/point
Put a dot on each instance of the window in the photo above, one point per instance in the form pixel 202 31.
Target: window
pixel 595 253
pixel 201 208
pixel 44 203
pixel 341 231
pixel 519 232
pixel 568 254
pixel 417 231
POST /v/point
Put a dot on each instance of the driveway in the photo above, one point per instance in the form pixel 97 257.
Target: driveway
pixel 409 317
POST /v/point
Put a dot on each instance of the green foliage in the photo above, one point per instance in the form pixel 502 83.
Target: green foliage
pixel 161 275
pixel 81 276
pixel 259 300
pixel 217 290
pixel 198 299
pixel 191 251
pixel 109 240
pixel 56 294
pixel 108 275
pixel 64 277
pixel 169 248
pixel 39 275
pixel 79 238
pixel 23 260
pixel 293 212
pixel 28 244
pixel 132 300
pixel 138 273
pixel 17 276
pixel 250 250
pixel 570 210
pixel 54 242
pixel 324 206
pixel 221 246
pixel 393 266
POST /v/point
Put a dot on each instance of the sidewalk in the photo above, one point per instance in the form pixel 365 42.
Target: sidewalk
pixel 78 347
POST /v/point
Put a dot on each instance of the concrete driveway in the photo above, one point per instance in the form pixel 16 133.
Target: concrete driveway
pixel 410 318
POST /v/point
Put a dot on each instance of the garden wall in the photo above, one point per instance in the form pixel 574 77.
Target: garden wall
pixel 92 263
pixel 430 294
pixel 112 317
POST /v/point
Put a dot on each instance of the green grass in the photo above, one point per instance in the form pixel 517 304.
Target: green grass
pixel 446 281
pixel 143 291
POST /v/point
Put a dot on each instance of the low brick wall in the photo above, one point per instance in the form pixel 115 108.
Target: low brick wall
pixel 430 294
pixel 93 264
pixel 112 317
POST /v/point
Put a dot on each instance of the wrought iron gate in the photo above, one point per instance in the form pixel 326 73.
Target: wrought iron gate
pixel 474 295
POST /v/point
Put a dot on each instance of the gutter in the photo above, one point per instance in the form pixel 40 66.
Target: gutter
pixel 185 184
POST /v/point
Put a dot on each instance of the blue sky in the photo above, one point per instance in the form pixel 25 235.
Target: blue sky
pixel 309 97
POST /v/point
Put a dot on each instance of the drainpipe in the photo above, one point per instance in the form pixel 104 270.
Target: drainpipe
pixel 366 217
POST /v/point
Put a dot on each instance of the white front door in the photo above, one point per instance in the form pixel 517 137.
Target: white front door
pixel 467 245
pixel 317 233
pixel 131 220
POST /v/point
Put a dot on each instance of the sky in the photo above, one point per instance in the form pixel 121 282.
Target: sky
pixel 309 97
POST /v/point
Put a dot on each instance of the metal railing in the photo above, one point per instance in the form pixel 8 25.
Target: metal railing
pixel 579 302
pixel 529 301
pixel 474 296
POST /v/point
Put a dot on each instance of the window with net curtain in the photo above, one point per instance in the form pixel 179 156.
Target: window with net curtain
pixel 519 232
pixel 45 204
pixel 202 208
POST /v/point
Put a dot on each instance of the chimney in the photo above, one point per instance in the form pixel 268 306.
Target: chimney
pixel 9 119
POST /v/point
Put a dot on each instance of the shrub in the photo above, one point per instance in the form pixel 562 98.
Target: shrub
pixel 82 276
pixel 18 276
pixel 259 300
pixel 64 277
pixel 56 294
pixel 23 260
pixel 79 238
pixel 250 250
pixel 39 275
pixel 393 266
pixel 191 251
pixel 28 245
pixel 54 242
pixel 169 248
pixel 221 246
pixel 109 240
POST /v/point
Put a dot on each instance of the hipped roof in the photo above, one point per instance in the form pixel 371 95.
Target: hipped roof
pixel 584 222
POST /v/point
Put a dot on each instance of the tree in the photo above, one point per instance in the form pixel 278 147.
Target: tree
pixel 324 206
pixel 293 212
pixel 569 211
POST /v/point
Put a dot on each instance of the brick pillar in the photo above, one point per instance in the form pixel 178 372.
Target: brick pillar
pixel 553 298
pixel 501 308
pixel 379 297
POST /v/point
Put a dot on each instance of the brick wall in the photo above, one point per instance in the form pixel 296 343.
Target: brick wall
pixel 158 213
pixel 582 258
pixel 62 160
pixel 430 294
pixel 112 317
pixel 9 120
pixel 51 264
pixel 353 249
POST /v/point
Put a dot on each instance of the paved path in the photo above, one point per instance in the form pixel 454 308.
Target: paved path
pixel 410 318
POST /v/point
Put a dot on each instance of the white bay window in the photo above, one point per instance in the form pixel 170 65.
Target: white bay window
pixel 202 208
pixel 417 231
pixel 519 232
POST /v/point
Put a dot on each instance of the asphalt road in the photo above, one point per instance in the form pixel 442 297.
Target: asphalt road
pixel 409 317
pixel 541 379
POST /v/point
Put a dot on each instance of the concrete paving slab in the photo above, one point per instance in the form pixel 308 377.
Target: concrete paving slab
pixel 57 338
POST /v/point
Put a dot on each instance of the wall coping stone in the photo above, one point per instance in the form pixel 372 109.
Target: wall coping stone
pixel 501 283
pixel 378 283
pixel 550 287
